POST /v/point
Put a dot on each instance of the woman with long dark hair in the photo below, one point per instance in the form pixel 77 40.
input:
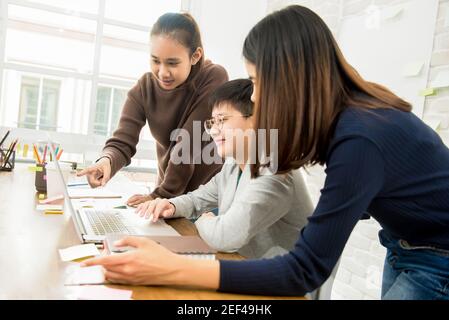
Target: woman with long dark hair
pixel 381 160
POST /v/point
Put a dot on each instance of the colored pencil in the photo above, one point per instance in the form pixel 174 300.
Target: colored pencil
pixel 25 151
pixel 36 154
pixel 59 154
pixel 45 155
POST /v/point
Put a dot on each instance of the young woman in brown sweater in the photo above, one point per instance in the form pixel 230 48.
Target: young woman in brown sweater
pixel 172 96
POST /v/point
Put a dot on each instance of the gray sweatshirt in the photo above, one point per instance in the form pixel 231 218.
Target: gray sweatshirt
pixel 257 218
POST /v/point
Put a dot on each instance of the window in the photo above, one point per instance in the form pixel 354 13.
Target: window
pixel 109 106
pixel 39 99
pixel 66 66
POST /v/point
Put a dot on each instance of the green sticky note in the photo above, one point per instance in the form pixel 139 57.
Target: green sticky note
pixel 427 92
pixel 35 169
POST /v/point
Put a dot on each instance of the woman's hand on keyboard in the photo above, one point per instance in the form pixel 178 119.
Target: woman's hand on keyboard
pixel 155 209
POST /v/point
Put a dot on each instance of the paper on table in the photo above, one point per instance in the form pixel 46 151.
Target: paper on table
pixel 45 207
pixel 98 204
pixel 85 276
pixel 413 69
pixel 104 293
pixel 77 180
pixel 441 80
pixel 123 185
pixel 77 252
pixel 52 199
pixel 92 193
pixel 48 204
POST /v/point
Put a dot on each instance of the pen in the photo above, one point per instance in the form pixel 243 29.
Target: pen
pixel 36 154
pixel 77 184
pixel 45 155
pixel 59 154
pixel 10 151
pixel 4 137
pixel 25 151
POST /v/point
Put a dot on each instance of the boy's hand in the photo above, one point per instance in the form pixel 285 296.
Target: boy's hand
pixel 155 209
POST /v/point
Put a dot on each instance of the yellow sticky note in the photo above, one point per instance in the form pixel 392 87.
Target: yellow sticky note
pixel 54 212
pixel 79 260
pixel 427 92
pixel 35 169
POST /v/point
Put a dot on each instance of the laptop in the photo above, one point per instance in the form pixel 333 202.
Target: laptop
pixel 92 225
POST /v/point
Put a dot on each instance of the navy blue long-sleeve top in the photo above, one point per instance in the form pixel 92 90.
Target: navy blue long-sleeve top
pixel 383 162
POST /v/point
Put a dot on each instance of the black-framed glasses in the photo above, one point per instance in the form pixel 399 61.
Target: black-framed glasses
pixel 218 122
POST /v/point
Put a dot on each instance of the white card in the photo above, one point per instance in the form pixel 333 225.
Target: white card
pixel 103 293
pixel 78 252
pixel 85 276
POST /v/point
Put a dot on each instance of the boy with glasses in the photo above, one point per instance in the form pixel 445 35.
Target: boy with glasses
pixel 258 217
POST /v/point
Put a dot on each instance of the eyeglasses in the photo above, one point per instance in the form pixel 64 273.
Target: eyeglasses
pixel 218 122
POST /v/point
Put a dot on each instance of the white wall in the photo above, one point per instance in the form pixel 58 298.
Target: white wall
pixel 360 271
pixel 224 26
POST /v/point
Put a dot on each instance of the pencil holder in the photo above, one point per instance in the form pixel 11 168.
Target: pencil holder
pixel 7 160
pixel 41 178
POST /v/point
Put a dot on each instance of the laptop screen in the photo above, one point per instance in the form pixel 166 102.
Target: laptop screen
pixel 67 202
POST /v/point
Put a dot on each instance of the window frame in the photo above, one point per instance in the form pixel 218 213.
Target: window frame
pixel 146 149
pixel 41 84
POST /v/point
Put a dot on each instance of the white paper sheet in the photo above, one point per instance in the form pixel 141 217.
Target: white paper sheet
pixel 78 252
pixel 103 293
pixel 85 276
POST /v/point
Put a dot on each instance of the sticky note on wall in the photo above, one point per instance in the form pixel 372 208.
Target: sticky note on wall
pixel 427 92
pixel 392 13
pixel 433 123
pixel 413 69
pixel 441 80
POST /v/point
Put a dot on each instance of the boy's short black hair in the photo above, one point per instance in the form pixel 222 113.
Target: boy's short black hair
pixel 236 93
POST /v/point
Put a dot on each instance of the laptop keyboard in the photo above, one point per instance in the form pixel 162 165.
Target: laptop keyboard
pixel 104 222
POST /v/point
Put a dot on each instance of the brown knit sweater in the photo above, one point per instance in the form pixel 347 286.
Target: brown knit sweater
pixel 166 111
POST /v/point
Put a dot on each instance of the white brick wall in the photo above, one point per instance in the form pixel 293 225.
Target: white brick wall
pixel 360 271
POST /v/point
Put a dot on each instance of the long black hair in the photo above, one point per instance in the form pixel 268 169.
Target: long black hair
pixel 304 82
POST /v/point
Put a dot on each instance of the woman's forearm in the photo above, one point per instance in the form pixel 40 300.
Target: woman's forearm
pixel 197 273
